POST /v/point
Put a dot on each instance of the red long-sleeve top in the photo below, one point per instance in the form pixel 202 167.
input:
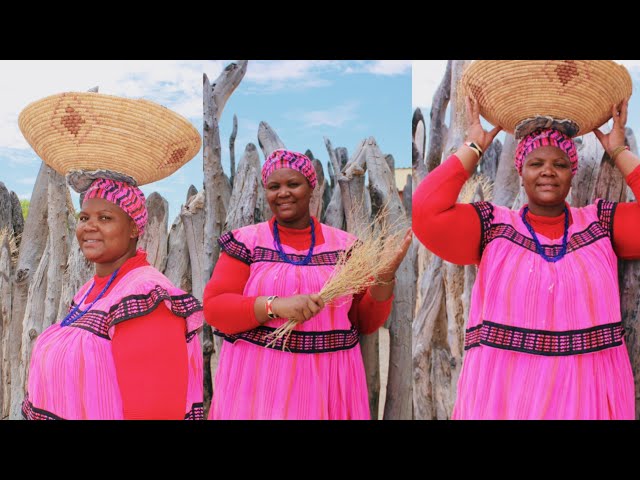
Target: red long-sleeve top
pixel 150 356
pixel 228 310
pixel 452 230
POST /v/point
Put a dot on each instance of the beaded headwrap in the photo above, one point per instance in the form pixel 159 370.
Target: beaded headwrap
pixel 124 195
pixel 543 137
pixel 282 158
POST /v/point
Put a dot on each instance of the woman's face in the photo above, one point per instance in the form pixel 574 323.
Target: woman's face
pixel 546 176
pixel 289 194
pixel 104 231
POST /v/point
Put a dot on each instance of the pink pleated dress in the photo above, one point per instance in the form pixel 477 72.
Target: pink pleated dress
pixel 72 373
pixel 545 340
pixel 321 374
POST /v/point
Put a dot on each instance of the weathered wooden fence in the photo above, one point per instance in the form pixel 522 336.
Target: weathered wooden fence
pixel 38 280
pixel 444 289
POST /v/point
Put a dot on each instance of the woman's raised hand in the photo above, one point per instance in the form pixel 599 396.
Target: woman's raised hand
pixel 397 257
pixel 615 138
pixel 475 132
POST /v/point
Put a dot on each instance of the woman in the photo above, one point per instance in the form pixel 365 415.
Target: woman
pixel 270 272
pixel 544 338
pixel 128 348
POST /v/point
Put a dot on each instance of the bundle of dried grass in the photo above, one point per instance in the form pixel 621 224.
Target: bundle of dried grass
pixel 356 269
pixel 477 188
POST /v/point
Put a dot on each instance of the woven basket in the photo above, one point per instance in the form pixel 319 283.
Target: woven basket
pixel 91 131
pixel 574 96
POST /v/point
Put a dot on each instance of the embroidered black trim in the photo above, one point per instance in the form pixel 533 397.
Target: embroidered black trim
pixel 95 322
pixel 544 342
pixel 591 234
pixel 196 412
pixel 132 306
pixel 606 211
pixel 595 231
pixel 261 254
pixel 299 342
pixel 29 412
pixel 485 212
pixel 235 248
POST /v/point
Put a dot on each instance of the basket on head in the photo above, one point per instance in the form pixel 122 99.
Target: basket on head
pixel 90 131
pixel 574 96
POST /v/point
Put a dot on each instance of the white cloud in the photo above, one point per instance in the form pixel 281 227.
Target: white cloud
pixel 271 76
pixel 265 71
pixel 425 78
pixel 388 67
pixel 332 117
pixel 27 181
pixel 18 157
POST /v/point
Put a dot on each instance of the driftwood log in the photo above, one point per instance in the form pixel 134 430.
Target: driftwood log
pixel 217 191
pixel 178 267
pixel 154 239
pixel 437 130
pixel 232 149
pixel 246 190
pixel 382 192
pixel 507 183
pixel 315 206
pixel 269 141
pixel 334 214
pixel 490 159
pixel 448 361
pixel 31 252
pixel 357 217
pixel 6 222
pixel 6 270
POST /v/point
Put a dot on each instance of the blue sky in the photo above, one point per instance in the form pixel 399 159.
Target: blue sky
pixel 303 100
pixel 427 75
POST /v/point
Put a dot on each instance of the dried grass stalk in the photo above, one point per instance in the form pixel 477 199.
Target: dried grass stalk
pixel 480 184
pixel 356 269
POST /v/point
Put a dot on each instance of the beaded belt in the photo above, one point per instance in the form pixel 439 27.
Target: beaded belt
pixel 544 342
pixel 299 341
pixel 29 412
pixel 196 412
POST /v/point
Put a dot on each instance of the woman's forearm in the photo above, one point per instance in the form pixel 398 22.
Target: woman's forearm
pixel 627 162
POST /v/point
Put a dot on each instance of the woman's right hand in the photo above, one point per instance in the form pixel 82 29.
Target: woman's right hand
pixel 298 308
pixel 475 132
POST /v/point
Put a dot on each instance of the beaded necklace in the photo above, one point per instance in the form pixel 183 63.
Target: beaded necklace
pixel 539 247
pixel 72 316
pixel 283 256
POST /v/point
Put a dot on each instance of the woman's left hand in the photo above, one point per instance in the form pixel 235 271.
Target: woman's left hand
pixel 398 256
pixel 615 138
